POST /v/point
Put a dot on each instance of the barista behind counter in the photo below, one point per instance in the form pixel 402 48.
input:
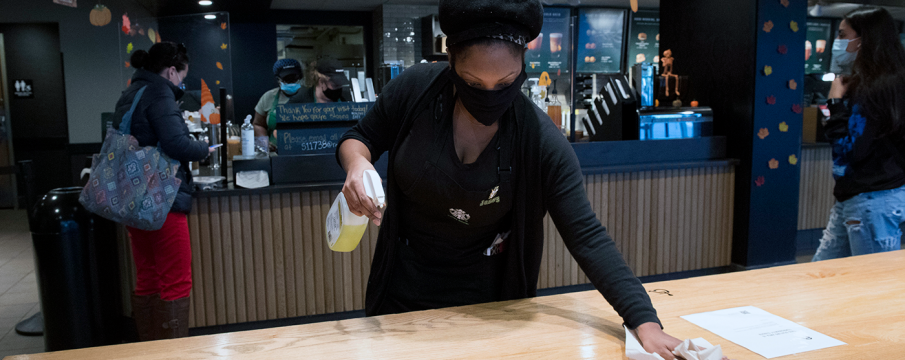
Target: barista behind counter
pixel 329 88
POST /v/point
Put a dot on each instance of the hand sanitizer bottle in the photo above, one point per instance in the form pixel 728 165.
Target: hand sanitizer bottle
pixel 248 138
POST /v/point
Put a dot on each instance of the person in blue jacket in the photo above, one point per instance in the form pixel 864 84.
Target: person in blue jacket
pixel 160 302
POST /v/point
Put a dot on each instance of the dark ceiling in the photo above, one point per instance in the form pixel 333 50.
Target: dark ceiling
pixel 184 7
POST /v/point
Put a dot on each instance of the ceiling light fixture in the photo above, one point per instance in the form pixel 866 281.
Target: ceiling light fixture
pixel 816 10
pixel 210 16
pixel 205 2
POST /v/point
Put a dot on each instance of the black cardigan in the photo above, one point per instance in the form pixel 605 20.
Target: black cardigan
pixel 546 177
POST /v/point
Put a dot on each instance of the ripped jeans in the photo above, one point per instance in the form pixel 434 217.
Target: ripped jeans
pixel 865 224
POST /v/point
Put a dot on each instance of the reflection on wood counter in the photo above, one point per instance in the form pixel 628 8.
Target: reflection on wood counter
pixel 856 300
pixel 263 256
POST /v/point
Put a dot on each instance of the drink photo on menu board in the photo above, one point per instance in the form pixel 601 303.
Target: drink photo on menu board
pixel 550 50
pixel 644 38
pixel 819 37
pixel 600 34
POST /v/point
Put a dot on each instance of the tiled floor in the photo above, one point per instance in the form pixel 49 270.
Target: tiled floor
pixel 18 287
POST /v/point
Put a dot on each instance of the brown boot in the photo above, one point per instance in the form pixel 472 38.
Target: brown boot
pixel 143 312
pixel 172 318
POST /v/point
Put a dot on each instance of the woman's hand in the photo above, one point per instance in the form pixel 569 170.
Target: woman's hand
pixel 655 341
pixel 354 191
pixel 837 90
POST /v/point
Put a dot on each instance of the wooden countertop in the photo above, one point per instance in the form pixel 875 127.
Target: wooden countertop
pixel 857 300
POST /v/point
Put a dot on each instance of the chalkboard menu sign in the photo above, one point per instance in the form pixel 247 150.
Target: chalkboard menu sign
pixel 817 47
pixel 644 38
pixel 311 128
pixel 310 112
pixel 600 34
pixel 550 50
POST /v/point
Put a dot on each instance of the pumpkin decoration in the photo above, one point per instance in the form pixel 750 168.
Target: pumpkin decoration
pixel 100 15
pixel 694 103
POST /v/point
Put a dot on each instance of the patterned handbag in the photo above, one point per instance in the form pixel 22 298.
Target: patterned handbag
pixel 129 184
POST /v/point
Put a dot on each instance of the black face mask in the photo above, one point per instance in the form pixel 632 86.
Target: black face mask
pixel 333 94
pixel 487 106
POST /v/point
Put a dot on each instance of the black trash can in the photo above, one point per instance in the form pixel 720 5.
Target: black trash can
pixel 77 269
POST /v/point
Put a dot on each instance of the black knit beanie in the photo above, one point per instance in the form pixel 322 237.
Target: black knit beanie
pixel 519 21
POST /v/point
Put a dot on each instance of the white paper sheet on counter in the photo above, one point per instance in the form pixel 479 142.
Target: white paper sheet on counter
pixel 762 332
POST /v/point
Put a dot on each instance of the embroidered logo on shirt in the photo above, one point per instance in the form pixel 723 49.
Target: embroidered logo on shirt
pixel 491 201
pixel 460 215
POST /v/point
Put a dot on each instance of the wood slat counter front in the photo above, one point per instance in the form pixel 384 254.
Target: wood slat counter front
pixel 856 300
pixel 815 197
pixel 261 255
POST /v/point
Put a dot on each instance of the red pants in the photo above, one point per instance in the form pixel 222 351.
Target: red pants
pixel 163 259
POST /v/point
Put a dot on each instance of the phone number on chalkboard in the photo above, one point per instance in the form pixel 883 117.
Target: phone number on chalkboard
pixel 311 143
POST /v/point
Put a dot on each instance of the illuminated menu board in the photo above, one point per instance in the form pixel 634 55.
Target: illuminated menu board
pixel 644 38
pixel 550 50
pixel 600 36
pixel 817 52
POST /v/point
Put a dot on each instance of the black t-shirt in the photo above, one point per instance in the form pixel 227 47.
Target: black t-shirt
pixel 445 233
pixel 450 214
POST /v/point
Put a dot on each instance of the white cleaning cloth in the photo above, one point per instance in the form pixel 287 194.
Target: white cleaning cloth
pixel 696 349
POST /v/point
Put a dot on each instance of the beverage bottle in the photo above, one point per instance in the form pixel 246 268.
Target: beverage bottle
pixel 248 138
pixel 554 109
pixel 345 229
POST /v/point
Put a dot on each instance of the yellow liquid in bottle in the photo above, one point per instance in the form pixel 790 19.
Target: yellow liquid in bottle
pixel 555 113
pixel 349 237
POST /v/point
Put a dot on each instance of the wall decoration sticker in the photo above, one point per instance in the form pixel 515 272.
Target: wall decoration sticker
pixel 100 15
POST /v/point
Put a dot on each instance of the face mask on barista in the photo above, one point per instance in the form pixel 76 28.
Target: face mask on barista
pixel 291 88
pixel 487 106
pixel 842 60
pixel 333 94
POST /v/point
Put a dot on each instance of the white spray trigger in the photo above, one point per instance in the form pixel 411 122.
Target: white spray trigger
pixel 374 188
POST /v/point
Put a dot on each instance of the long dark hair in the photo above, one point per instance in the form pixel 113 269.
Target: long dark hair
pixel 161 56
pixel 878 74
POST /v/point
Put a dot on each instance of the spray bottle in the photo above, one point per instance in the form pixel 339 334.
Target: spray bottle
pixel 248 138
pixel 345 229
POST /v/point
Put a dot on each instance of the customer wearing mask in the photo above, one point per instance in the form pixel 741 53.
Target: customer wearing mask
pixel 331 80
pixel 867 131
pixel 473 169
pixel 163 258
pixel 288 74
